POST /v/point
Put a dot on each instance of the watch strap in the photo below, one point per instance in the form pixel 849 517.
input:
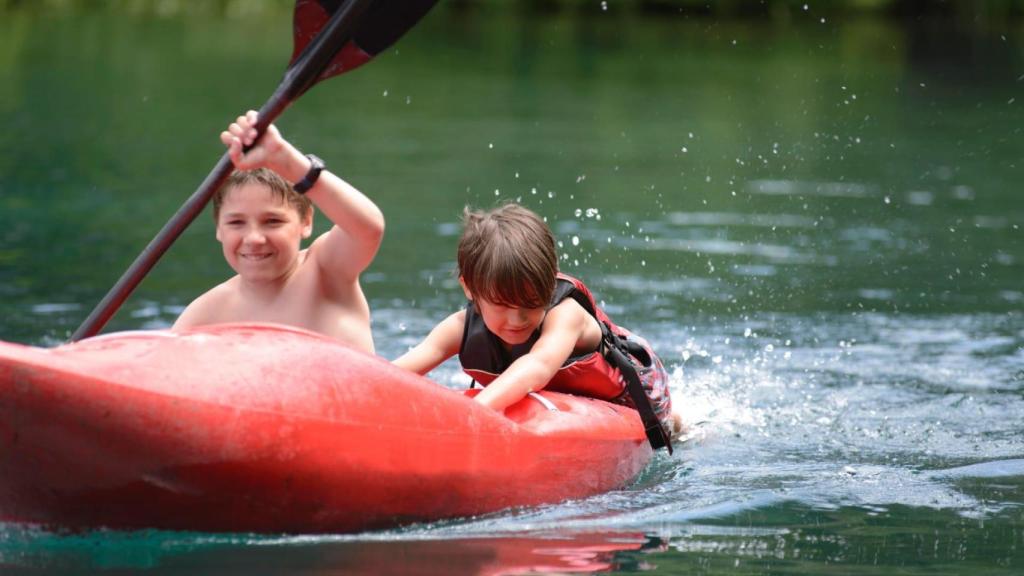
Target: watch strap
pixel 316 166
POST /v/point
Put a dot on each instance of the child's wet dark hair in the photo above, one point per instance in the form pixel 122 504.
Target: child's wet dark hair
pixel 507 256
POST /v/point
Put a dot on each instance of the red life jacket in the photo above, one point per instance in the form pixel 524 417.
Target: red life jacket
pixel 483 356
pixel 641 383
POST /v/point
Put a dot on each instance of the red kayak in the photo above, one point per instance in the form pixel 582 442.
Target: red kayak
pixel 263 428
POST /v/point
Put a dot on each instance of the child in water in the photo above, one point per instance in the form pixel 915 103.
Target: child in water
pixel 261 221
pixel 527 327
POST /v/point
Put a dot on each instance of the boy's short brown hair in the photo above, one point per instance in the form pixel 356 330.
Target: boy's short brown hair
pixel 507 256
pixel 277 186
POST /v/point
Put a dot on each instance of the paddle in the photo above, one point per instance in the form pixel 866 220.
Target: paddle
pixel 331 37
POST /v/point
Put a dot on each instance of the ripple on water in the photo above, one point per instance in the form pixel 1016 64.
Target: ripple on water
pixel 804 188
pixel 735 219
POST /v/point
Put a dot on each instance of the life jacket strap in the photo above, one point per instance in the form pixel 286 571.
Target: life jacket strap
pixel 615 351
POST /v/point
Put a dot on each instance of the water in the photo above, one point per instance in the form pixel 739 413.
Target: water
pixel 817 225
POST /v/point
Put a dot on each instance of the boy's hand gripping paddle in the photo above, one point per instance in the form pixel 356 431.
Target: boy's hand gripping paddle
pixel 331 37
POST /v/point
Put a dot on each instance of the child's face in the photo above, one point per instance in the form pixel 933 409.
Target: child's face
pixel 260 233
pixel 511 324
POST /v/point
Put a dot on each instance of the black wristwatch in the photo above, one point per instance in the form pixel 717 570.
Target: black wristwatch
pixel 316 165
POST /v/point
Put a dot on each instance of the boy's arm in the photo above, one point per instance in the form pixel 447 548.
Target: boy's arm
pixel 562 329
pixel 441 344
pixel 347 248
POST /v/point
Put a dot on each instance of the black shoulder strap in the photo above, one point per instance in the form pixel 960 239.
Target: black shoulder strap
pixel 614 351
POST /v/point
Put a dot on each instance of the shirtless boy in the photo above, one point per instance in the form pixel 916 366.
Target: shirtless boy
pixel 261 221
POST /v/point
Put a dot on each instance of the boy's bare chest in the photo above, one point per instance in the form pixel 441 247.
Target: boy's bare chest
pixel 343 316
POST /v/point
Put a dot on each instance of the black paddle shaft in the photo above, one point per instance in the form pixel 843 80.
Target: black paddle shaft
pixel 386 22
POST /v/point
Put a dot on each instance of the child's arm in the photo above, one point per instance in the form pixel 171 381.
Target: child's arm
pixel 441 344
pixel 563 328
pixel 349 247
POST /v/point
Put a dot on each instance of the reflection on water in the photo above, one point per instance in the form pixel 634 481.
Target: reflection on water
pixel 818 226
pixel 760 535
pixel 387 554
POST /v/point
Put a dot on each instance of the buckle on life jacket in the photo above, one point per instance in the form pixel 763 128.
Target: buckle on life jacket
pixel 618 351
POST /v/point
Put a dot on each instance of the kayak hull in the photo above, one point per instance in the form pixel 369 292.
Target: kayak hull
pixel 262 428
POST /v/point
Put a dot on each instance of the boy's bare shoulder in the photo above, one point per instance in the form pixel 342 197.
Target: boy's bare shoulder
pixel 209 306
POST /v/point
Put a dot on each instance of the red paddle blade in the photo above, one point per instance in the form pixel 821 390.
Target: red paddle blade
pixel 383 24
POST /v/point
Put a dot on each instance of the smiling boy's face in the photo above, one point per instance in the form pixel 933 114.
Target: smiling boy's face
pixel 260 233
